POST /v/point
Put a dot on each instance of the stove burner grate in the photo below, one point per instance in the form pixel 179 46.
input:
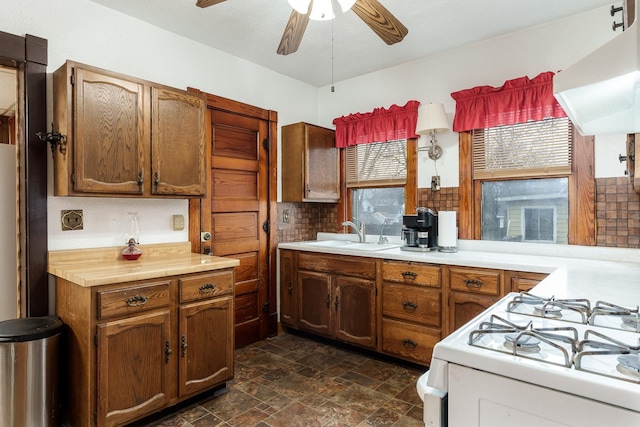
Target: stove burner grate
pixel 603 355
pixel 629 365
pixel 522 343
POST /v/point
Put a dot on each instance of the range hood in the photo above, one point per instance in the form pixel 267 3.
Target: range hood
pixel 601 92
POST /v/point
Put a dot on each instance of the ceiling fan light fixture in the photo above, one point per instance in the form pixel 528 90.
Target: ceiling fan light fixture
pixel 322 10
pixel 300 6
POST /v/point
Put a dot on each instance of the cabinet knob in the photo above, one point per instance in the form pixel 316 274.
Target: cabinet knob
pixel 473 283
pixel 136 301
pixel 140 179
pixel 409 275
pixel 409 306
pixel 290 288
pixel 183 346
pixel 328 301
pixel 156 179
pixel 336 303
pixel 167 351
pixel 208 288
pixel 409 343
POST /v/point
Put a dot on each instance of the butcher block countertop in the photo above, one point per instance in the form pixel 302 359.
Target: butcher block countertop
pixel 104 266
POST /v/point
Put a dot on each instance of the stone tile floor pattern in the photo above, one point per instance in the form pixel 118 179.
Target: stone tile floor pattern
pixel 290 380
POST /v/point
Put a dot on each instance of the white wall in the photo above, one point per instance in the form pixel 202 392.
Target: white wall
pixel 549 47
pixel 89 33
pixel 86 32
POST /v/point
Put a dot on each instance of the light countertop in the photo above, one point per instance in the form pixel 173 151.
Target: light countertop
pixel 608 274
pixel 103 266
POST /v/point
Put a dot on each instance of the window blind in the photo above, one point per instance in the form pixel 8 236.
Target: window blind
pixel 539 148
pixel 375 165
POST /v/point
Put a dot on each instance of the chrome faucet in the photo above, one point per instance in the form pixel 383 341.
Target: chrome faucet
pixel 358 228
pixel 382 239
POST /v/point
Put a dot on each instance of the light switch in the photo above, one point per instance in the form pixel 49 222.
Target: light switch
pixel 178 222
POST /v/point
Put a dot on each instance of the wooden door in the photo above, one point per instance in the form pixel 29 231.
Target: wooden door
pixel 109 134
pixel 133 368
pixel 205 345
pixel 354 308
pixel 315 300
pixel 239 213
pixel 178 138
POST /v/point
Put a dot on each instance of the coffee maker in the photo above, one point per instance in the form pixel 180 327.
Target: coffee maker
pixel 420 231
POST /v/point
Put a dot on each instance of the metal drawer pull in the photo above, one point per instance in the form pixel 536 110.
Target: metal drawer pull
pixel 136 301
pixel 409 306
pixel 184 346
pixel 409 275
pixel 409 343
pixel 336 303
pixel 472 283
pixel 208 287
pixel 167 351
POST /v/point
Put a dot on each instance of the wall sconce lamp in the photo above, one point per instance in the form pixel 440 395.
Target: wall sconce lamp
pixel 431 120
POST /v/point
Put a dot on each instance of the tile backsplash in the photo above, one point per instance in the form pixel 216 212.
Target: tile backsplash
pixel 617 214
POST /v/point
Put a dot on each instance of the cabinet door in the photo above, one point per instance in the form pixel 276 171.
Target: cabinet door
pixel 178 124
pixel 322 166
pixel 314 300
pixel 133 367
pixel 205 345
pixel 464 307
pixel 287 289
pixel 522 281
pixel 355 312
pixel 109 134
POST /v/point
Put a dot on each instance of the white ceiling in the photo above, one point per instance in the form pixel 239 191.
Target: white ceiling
pixel 251 29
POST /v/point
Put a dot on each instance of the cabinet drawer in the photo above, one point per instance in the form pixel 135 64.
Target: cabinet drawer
pixel 415 274
pixel 478 281
pixel 133 299
pixel 364 268
pixel 203 286
pixel 412 303
pixel 409 341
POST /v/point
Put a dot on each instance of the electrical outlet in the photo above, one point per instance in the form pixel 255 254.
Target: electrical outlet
pixel 71 219
pixel 435 183
pixel 178 222
pixel 285 216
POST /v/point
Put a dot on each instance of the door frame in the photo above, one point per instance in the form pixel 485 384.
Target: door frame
pixel 28 55
pixel 215 102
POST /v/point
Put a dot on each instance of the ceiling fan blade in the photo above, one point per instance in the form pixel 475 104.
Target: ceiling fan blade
pixel 380 20
pixel 293 33
pixel 207 3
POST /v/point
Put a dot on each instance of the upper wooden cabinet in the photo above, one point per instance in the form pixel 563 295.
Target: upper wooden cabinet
pixel 310 164
pixel 126 136
pixel 633 166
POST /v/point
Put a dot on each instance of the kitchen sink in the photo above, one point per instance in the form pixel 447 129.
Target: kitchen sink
pixel 347 244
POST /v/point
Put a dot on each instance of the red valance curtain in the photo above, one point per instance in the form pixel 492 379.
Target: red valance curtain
pixel 517 101
pixel 381 125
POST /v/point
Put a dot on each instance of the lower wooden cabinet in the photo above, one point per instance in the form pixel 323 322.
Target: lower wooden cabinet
pixel 137 347
pixel 411 310
pixel 288 290
pixel 336 297
pixel 519 281
pixel 471 291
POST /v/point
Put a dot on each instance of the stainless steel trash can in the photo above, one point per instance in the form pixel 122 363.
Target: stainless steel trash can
pixel 29 374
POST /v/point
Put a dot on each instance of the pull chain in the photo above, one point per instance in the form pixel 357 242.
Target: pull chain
pixel 332 88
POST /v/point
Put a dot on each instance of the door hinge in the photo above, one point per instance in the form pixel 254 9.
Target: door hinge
pixel 95 417
pixel 266 226
pixel 95 340
pixel 72 79
pixel 265 143
pixel 265 307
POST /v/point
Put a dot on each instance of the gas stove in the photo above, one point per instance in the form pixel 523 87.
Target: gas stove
pixel 566 349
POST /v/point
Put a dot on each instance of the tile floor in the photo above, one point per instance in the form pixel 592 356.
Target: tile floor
pixel 291 380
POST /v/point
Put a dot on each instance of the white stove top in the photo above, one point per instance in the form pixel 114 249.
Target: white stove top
pixel 543 367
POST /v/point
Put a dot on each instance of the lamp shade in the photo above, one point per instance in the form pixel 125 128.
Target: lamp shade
pixel 431 117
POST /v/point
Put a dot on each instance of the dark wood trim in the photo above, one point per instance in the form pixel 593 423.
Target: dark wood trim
pixel 29 56
pixel 272 329
pixel 411 187
pixel 582 192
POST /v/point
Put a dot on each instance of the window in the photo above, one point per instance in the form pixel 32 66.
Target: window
pixel 376 175
pixel 531 210
pixel 524 209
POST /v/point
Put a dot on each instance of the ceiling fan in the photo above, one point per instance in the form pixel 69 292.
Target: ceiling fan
pixel 374 14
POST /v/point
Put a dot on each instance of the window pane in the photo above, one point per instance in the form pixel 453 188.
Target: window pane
pixel 378 208
pixel 532 210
